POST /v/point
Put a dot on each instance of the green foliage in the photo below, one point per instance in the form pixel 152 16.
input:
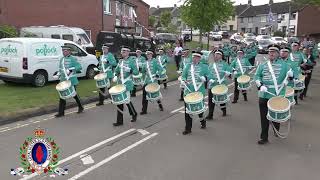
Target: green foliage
pixel 165 18
pixel 152 21
pixel 172 28
pixel 305 2
pixel 8 31
pixel 279 33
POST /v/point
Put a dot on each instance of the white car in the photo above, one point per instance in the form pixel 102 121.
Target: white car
pixel 36 60
pixel 263 37
pixel 215 36
pixel 249 41
pixel 278 40
pixel 249 36
pixel 236 39
pixel 186 31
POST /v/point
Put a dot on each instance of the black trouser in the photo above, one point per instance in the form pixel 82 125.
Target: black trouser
pixel 306 83
pixel 164 82
pixel 264 121
pixel 181 93
pixel 62 103
pixel 177 60
pixel 236 91
pixel 296 93
pixel 131 109
pixel 145 101
pixel 134 90
pixel 188 119
pixel 101 95
pixel 212 105
pixel 252 60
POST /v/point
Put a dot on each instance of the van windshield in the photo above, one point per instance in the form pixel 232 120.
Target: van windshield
pixel 84 38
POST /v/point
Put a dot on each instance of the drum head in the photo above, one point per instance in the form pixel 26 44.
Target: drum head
pixel 219 89
pixel 279 103
pixel 117 89
pixel 153 87
pixel 243 79
pixel 289 91
pixel 63 85
pixel 100 76
pixel 302 77
pixel 193 97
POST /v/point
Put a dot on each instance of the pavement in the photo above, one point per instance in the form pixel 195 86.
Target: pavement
pixel 153 148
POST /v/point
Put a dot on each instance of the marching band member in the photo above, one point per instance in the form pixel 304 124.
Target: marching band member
pixel 220 71
pixel 193 77
pixel 226 52
pixel 151 70
pixel 294 71
pixel 139 61
pixel 186 59
pixel 69 66
pixel 163 60
pixel 106 64
pixel 271 80
pixel 240 66
pixel 307 69
pixel 123 75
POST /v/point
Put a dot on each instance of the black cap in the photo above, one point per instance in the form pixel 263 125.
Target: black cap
pixel 197 53
pixel 105 46
pixel 66 47
pixel 184 50
pixel 273 47
pixel 149 51
pixel 125 48
pixel 138 50
pixel 219 51
pixel 240 50
pixel 295 43
pixel 285 49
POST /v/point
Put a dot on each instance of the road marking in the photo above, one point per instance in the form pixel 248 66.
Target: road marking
pixel 86 159
pixel 84 151
pixel 4 128
pixel 79 175
pixel 143 132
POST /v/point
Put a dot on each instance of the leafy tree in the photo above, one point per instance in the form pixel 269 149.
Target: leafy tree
pixel 172 28
pixel 203 14
pixel 152 21
pixel 310 2
pixel 165 18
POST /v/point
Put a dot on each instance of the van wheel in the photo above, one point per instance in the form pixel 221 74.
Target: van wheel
pixel 90 72
pixel 40 78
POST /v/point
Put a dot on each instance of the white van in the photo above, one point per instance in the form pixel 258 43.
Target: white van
pixel 35 60
pixel 74 34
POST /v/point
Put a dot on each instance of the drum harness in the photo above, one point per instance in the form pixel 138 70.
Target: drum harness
pixel 104 71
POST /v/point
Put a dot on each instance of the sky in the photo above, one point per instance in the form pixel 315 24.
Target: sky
pixel 170 3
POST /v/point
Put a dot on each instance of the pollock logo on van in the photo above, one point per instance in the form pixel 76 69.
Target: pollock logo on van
pixel 45 50
pixel 9 50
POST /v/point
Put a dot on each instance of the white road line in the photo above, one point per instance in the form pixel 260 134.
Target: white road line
pixel 84 151
pixel 143 132
pixel 4 128
pixel 176 110
pixel 86 159
pixel 79 175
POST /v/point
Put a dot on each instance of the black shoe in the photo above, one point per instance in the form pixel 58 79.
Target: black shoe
pixel 203 124
pixel 224 113
pixel 161 107
pixel 185 132
pixel 80 110
pixel 99 104
pixel 134 118
pixel 117 124
pixel 59 115
pixel 262 141
pixel 234 101
pixel 143 112
pixel 245 99
pixel 133 95
pixel 209 118
pixel 181 99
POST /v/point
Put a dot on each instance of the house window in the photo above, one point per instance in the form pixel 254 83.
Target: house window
pixel 293 16
pixel 106 7
pixel 243 29
pixel 241 20
pixel 131 12
pixel 233 18
pixel 249 30
pixel 250 19
pixel 139 30
pixel 263 18
pixel 230 27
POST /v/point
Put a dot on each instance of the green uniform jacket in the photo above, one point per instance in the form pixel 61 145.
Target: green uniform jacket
pixel 67 63
pixel 128 69
pixel 139 62
pixel 233 54
pixel 164 59
pixel 223 68
pixel 108 62
pixel 294 69
pixel 297 59
pixel 263 74
pixel 205 57
pixel 184 62
pixel 199 71
pixel 150 69
pixel 246 66
pixel 226 50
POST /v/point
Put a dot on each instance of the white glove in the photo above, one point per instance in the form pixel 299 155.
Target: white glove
pixel 258 83
pixel 55 77
pixel 295 80
pixel 203 79
pixel 115 78
pixel 285 82
pixel 95 69
pixel 227 74
pixel 183 83
pixel 235 72
pixel 290 73
pixel 211 81
pixel 127 69
pixel 179 72
pixel 263 89
pixel 67 71
pixel 305 61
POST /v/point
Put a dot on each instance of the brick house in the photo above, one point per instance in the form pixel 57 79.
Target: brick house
pixel 91 15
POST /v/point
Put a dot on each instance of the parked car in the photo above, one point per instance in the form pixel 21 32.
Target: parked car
pixel 263 45
pixel 186 37
pixel 35 60
pixel 249 35
pixel 215 36
pixel 278 40
pixel 292 39
pixel 116 40
pixel 186 31
pixel 260 37
pixel 249 41
pixel 236 39
pixel 224 34
pixel 162 38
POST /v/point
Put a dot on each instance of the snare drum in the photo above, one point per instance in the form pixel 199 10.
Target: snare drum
pixel 163 75
pixel 102 80
pixel 243 82
pixel 66 90
pixel 137 79
pixel 153 92
pixel 290 95
pixel 220 95
pixel 299 84
pixel 119 95
pixel 278 109
pixel 194 103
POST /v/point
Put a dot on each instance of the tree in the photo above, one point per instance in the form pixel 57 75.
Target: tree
pixel 172 28
pixel 152 21
pixel 7 31
pixel 165 18
pixel 203 14
pixel 310 2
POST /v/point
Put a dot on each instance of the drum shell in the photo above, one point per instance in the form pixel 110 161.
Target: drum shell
pixel 278 116
pixel 137 80
pixel 121 97
pixel 66 92
pixel 194 107
pixel 290 97
pixel 220 98
pixel 153 95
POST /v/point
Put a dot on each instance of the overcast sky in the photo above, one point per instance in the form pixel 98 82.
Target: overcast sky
pixel 170 3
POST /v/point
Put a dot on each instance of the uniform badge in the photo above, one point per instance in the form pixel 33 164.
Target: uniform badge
pixel 39 154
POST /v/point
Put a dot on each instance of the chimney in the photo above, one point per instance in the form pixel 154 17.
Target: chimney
pixel 250 2
pixel 270 1
pixel 158 7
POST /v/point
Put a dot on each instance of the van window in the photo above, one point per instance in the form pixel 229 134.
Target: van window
pixel 67 37
pixel 55 36
pixel 83 38
pixel 46 49
pixel 10 49
pixel 75 50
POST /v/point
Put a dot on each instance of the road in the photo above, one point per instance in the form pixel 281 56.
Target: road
pixel 154 148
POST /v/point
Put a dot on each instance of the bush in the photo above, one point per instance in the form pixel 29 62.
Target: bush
pixel 279 33
pixel 8 31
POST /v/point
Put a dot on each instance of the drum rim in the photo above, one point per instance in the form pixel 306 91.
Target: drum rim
pixel 62 89
pixel 244 76
pixel 194 102
pixel 151 84
pixel 280 111
pixel 120 92
pixel 97 77
pixel 226 89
